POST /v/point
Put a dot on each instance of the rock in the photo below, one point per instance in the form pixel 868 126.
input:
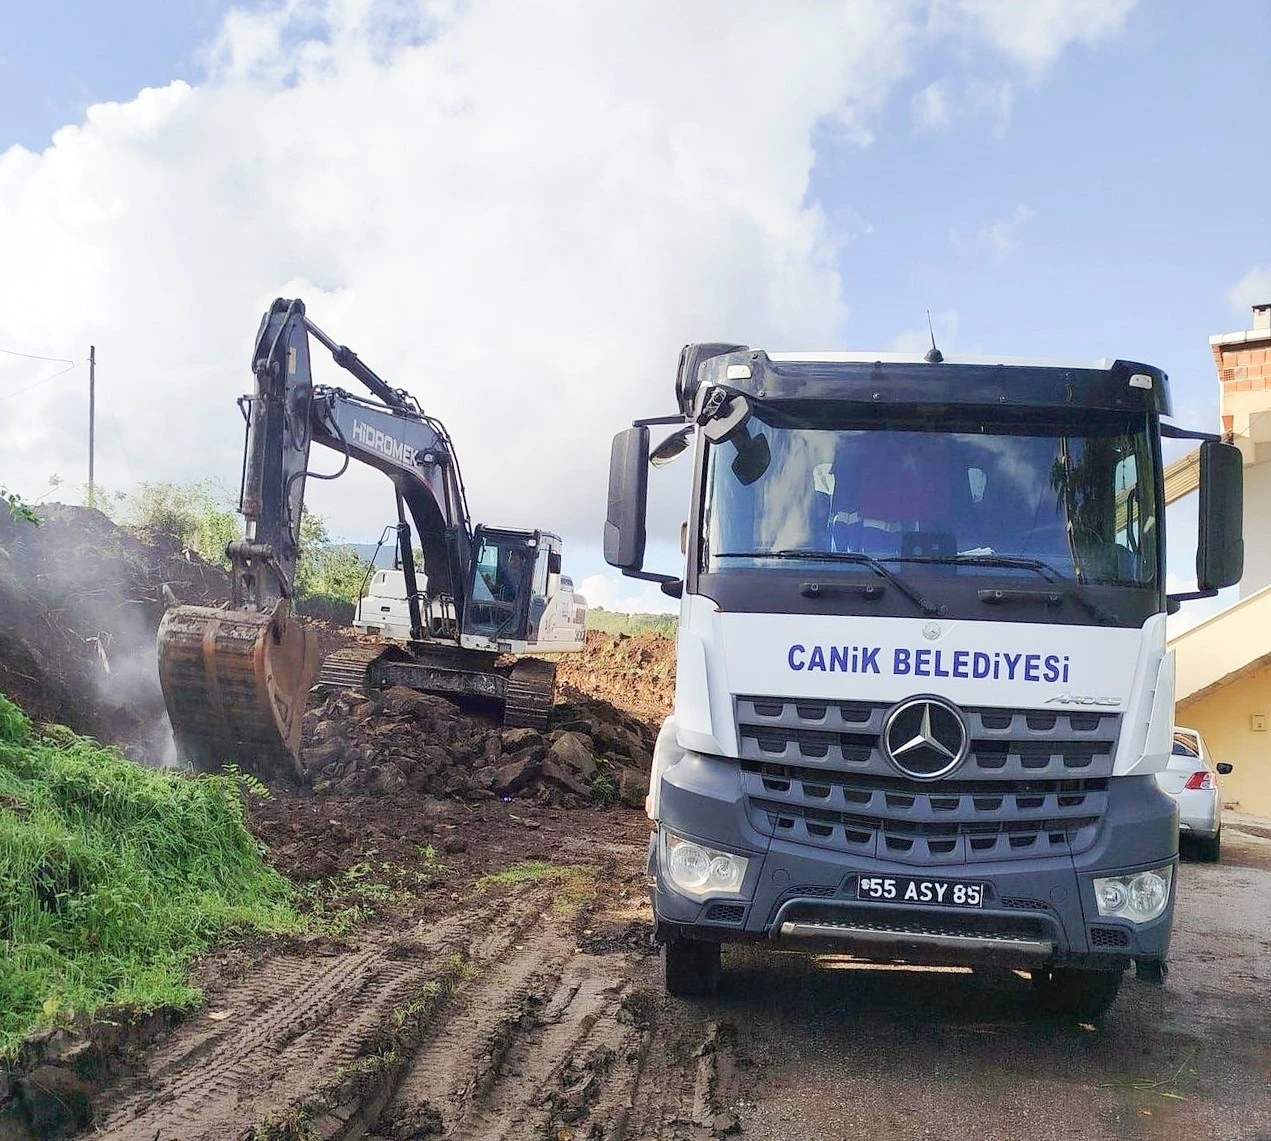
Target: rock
pixel 724 1124
pixel 558 775
pixel 325 730
pixel 431 758
pixel 485 776
pixel 493 749
pixel 403 699
pixel 620 739
pixel 453 845
pixel 573 751
pixel 516 774
pixel 515 740
pixel 633 787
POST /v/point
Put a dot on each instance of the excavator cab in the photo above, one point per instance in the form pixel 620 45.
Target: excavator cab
pixel 498 602
pixel 511 571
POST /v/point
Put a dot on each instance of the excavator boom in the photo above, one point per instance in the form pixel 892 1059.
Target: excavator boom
pixel 235 680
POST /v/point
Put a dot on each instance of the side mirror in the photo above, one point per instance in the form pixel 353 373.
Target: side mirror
pixel 1220 550
pixel 753 456
pixel 1224 768
pixel 672 447
pixel 628 492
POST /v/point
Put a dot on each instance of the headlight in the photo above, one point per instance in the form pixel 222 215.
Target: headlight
pixel 1139 898
pixel 699 871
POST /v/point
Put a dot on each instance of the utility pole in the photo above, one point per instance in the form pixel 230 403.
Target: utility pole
pixel 92 415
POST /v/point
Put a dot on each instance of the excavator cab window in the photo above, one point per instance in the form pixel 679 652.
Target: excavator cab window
pixel 502 579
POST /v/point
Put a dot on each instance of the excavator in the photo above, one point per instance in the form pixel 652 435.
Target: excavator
pixel 236 679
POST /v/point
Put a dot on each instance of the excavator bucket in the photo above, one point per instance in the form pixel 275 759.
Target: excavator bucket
pixel 235 683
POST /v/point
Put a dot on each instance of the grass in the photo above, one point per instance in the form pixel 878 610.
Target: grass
pixel 577 882
pixel 617 622
pixel 113 877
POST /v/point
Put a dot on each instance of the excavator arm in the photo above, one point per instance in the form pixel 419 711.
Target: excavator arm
pixel 235 680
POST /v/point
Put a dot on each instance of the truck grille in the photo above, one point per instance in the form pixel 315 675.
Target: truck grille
pixel 1034 783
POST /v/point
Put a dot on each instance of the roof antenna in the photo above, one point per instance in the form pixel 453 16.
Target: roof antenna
pixel 933 354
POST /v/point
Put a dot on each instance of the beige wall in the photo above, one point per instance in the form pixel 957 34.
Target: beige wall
pixel 1222 716
pixel 1257 533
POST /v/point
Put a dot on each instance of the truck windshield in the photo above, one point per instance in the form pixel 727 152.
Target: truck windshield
pixel 1081 499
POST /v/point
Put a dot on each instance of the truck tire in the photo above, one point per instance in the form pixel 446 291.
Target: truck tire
pixel 1075 993
pixel 692 967
pixel 1207 849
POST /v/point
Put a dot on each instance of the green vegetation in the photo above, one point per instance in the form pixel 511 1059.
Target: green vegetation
pixel 327 570
pixel 17 507
pixel 202 516
pixel 112 877
pixel 613 622
pixel 577 882
pixel 198 516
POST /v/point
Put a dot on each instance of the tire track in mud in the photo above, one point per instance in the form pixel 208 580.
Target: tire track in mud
pixel 279 1039
pixel 558 1044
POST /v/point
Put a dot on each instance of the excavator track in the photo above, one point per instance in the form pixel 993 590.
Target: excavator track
pixel 235 683
pixel 529 694
pixel 346 669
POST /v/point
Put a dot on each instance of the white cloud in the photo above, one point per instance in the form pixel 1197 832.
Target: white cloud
pixel 930 108
pixel 630 596
pixel 1252 289
pixel 991 99
pixel 1033 33
pixel 999 238
pixel 517 212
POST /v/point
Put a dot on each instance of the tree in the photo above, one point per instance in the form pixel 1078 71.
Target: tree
pixel 198 515
pixel 327 569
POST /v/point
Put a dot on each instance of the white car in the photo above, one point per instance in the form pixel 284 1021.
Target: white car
pixel 1192 780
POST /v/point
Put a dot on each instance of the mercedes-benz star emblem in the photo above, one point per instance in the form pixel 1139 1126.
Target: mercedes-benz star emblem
pixel 925 737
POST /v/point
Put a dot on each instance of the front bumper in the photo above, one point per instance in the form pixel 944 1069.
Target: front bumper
pixel 1038 911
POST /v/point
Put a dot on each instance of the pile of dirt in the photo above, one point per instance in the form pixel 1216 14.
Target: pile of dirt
pixel 402 741
pixel 80 602
pixel 634 673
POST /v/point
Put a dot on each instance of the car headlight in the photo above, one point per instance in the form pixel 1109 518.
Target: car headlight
pixel 1139 898
pixel 700 871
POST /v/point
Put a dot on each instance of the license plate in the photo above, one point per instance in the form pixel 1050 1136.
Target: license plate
pixel 932 893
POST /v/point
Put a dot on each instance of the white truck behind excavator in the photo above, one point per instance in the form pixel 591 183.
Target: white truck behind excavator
pixel 922 683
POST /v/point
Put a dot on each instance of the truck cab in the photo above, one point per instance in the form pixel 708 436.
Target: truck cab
pixel 922 685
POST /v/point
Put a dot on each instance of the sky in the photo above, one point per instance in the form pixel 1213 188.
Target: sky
pixel 521 212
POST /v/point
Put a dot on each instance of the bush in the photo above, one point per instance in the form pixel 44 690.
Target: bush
pixel 616 622
pixel 17 508
pixel 199 516
pixel 112 877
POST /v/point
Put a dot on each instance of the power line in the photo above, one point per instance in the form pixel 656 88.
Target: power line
pixel 35 357
pixel 45 380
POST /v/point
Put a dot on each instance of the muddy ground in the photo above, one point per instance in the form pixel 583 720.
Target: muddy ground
pixel 520 999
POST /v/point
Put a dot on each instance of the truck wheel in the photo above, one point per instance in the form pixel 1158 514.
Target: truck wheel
pixel 1207 848
pixel 692 967
pixel 1072 992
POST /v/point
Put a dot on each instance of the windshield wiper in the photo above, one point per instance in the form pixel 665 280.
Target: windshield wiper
pixel 923 604
pixel 1071 587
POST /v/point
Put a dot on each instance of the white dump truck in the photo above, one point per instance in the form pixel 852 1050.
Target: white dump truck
pixel 922 683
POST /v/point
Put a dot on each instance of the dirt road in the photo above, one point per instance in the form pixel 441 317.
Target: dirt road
pixel 526 1005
